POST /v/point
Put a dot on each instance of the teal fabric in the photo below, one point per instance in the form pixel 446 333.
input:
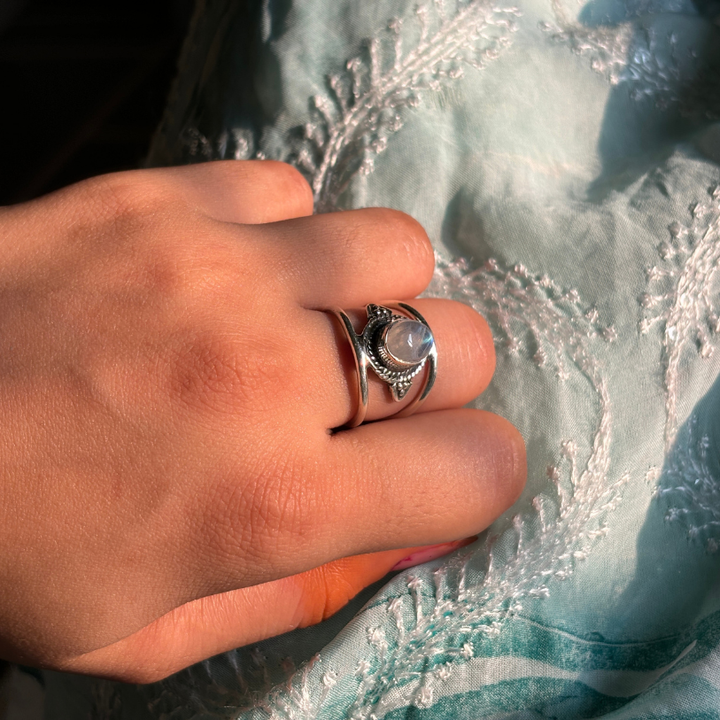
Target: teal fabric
pixel 563 157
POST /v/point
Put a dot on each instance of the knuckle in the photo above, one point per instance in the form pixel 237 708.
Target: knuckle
pixel 500 457
pixel 328 588
pixel 517 462
pixel 127 195
pixel 402 222
pixel 408 238
pixel 289 184
pixel 416 244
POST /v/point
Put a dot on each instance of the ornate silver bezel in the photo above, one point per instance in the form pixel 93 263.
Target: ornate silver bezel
pixel 398 376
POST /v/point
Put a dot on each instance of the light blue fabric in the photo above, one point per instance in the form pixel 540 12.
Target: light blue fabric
pixel 563 158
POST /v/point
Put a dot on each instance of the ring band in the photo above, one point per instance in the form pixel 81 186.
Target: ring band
pixel 397 347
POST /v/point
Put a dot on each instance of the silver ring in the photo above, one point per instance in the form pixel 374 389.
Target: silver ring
pixel 397 347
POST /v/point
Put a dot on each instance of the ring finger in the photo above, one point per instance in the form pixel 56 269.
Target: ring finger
pixel 466 361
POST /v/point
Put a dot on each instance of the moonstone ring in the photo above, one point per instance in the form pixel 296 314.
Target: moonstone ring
pixel 397 348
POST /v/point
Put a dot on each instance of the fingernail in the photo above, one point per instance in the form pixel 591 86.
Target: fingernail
pixel 431 552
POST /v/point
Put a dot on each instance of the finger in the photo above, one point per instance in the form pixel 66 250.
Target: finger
pixel 431 476
pixel 244 191
pixel 466 362
pixel 350 258
pixel 218 623
pixel 424 479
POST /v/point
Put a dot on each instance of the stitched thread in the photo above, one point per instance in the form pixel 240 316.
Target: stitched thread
pixel 684 296
pixel 352 124
pixel 650 62
pixel 690 490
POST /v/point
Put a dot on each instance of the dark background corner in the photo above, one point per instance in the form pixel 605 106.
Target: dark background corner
pixel 83 87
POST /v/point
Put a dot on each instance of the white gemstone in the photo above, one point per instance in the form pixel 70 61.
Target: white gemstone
pixel 408 341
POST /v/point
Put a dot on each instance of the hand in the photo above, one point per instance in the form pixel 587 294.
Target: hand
pixel 169 485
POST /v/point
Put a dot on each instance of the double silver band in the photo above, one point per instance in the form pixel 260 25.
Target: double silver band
pixel 369 351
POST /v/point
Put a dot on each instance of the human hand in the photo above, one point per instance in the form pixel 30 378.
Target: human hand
pixel 169 485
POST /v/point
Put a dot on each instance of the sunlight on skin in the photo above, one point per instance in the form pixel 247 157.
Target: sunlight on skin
pixel 222 622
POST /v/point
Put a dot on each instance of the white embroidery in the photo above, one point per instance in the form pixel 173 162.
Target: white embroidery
pixel 365 104
pixel 352 123
pixel 690 490
pixel 424 697
pixel 329 679
pixel 235 144
pixel 606 47
pixel 650 62
pixel 532 316
pixel 197 144
pixel 685 296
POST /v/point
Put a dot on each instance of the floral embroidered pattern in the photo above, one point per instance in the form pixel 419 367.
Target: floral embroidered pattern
pixel 532 313
pixel 685 296
pixel 435 626
pixel 364 106
pixel 352 124
pixel 606 47
pixel 236 144
pixel 532 316
pixel 649 61
pixel 690 490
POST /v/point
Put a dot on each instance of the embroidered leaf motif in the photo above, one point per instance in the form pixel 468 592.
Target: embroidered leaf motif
pixel 690 490
pixel 352 123
pixel 365 104
pixel 648 59
pixel 532 316
pixel 607 47
pixel 684 296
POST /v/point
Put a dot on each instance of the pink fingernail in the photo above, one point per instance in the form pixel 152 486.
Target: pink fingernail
pixel 432 552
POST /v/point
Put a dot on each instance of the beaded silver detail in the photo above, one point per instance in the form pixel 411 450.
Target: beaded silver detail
pixel 369 349
pixel 398 377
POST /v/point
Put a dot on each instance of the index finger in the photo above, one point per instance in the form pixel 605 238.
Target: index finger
pixel 244 191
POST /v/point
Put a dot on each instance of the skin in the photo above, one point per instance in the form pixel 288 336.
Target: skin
pixel 171 485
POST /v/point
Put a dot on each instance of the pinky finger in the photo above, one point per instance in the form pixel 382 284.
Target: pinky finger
pixel 218 623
